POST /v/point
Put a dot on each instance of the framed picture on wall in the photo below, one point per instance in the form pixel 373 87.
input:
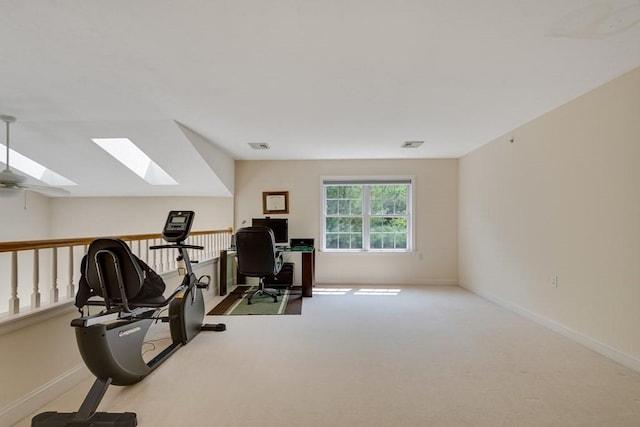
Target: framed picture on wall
pixel 275 202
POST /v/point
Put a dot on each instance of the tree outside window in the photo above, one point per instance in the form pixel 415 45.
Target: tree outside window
pixel 367 216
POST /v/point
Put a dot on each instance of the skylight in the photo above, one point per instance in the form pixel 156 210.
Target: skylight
pixel 34 169
pixel 127 153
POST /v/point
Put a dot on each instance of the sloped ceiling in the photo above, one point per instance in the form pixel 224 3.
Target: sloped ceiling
pixel 313 79
pixel 69 149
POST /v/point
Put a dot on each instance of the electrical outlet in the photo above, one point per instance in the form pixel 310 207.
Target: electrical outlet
pixel 554 281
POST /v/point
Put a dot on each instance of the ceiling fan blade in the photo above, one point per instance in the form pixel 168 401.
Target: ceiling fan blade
pixel 47 191
pixel 8 176
pixel 9 191
pixel 11 183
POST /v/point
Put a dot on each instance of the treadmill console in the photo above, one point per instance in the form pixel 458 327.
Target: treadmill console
pixel 178 226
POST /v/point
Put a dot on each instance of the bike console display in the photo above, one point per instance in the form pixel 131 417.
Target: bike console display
pixel 178 226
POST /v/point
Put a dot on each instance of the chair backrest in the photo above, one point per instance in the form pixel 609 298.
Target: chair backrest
pixel 256 251
pixel 112 271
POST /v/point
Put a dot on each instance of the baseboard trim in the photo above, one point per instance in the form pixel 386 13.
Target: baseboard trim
pixel 36 399
pixel 592 344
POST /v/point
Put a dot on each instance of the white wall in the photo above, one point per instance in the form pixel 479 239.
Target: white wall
pixel 36 355
pixel 92 216
pixel 62 217
pixel 436 204
pixel 562 199
pixel 24 217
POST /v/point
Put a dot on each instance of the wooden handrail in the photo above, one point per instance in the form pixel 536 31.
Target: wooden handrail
pixel 212 241
pixel 78 241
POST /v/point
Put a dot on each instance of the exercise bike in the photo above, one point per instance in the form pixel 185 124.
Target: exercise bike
pixel 111 341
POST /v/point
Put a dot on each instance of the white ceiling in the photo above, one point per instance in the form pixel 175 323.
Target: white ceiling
pixel 314 79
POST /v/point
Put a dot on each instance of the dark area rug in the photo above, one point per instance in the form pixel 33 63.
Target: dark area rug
pixel 235 304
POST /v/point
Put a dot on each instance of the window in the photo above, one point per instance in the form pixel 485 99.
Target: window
pixel 367 215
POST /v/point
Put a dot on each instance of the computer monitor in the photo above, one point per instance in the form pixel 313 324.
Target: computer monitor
pixel 280 227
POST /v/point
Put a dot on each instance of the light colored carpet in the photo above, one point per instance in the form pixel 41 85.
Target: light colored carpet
pixel 428 356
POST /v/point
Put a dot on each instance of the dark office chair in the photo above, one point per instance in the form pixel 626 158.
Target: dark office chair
pixel 258 257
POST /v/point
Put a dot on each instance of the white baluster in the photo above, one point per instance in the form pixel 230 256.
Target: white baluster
pixel 70 287
pixel 35 296
pixel 154 252
pixel 14 301
pixel 207 247
pixel 212 246
pixel 54 275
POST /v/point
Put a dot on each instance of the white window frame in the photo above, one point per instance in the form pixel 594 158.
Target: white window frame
pixel 369 180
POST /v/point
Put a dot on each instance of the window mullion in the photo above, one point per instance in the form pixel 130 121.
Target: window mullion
pixel 366 214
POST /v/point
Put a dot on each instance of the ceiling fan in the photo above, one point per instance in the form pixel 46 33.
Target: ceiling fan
pixel 13 183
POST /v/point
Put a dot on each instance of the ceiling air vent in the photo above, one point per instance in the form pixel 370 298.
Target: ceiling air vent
pixel 412 144
pixel 259 145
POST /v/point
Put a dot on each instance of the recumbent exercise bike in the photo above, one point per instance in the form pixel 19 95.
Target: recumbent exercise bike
pixel 111 341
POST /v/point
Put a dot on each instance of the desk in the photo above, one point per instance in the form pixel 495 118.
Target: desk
pixel 308 269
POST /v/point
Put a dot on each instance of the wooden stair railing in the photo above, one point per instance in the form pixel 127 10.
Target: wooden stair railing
pixel 15 258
